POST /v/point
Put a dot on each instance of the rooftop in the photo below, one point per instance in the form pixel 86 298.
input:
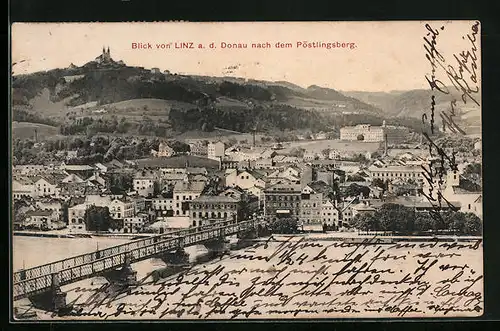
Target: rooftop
pixel 39 213
pixel 320 186
pixel 189 186
pixel 215 198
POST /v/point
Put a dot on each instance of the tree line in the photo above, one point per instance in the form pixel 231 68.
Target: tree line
pixel 274 117
pixel 89 149
pixel 406 221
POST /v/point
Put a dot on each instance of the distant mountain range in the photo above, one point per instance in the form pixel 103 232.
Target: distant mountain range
pixel 229 102
pixel 414 103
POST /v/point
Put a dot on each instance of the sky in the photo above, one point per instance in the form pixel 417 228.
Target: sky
pixel 387 55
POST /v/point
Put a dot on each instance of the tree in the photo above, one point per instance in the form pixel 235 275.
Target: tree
pixel 473 225
pixel 473 171
pixel 365 222
pixel 423 222
pixel 395 217
pixel 97 218
pixel 64 215
pixel 354 190
pixel 156 188
pixel 334 193
pixel 379 183
pixel 284 226
pixel 326 152
pixel 360 137
pixel 179 147
pixel 360 158
pixel 355 178
pixel 455 221
pixel 120 183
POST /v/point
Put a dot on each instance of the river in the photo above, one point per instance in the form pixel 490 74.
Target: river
pixel 32 251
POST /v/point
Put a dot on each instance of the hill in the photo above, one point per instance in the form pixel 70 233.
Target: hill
pixel 108 91
pixel 26 130
pixel 413 103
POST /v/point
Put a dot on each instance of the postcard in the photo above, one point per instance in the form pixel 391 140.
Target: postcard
pixel 246 170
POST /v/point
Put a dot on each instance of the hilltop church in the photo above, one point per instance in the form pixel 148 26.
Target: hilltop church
pixel 105 57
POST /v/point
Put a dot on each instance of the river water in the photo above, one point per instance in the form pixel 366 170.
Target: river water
pixel 30 252
pixel 33 251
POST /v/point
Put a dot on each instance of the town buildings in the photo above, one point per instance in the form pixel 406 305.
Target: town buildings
pixel 216 150
pixel 208 209
pixel 368 133
pixel 164 150
pixel 121 208
pixel 362 132
pixel 244 181
pixel 313 196
pixel 43 219
pixel 282 197
pixel 390 172
pixel 199 148
pixel 144 182
pixel 183 194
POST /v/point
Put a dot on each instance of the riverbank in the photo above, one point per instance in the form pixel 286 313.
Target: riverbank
pixel 67 234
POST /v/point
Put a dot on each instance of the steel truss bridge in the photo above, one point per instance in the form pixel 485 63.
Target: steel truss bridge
pixel 36 280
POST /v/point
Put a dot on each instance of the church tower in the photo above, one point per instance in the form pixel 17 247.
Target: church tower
pixel 452 178
pixel 106 55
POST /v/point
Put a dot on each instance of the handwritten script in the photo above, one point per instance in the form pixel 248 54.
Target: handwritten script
pixel 293 277
pixel 462 72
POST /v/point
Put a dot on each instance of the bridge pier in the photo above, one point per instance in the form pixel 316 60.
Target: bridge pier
pixel 246 238
pixel 52 300
pixel 176 261
pixel 217 247
pixel 125 276
pixel 178 257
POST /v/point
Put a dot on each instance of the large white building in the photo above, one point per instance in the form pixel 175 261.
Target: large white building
pixel 244 179
pixel 144 182
pixel 184 193
pixel 216 150
pixel 369 133
pixel 120 209
pixel 22 188
pixel 76 217
pixel 164 150
pixel 207 209
pixel 364 132
pixel 390 172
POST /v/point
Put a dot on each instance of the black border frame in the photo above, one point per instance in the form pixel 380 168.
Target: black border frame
pixel 149 10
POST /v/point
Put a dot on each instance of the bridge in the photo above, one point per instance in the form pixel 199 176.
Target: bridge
pixel 49 277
